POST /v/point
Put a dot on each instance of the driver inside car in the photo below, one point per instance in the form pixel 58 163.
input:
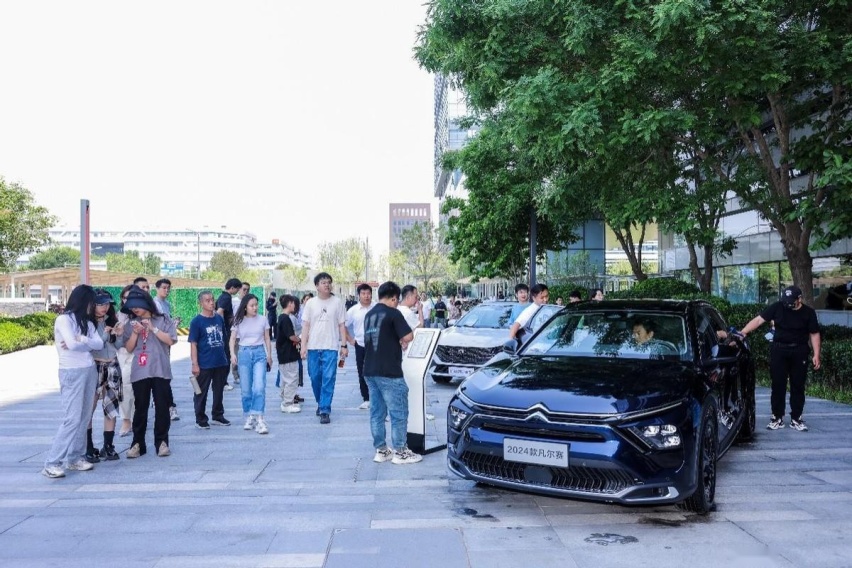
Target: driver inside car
pixel 643 335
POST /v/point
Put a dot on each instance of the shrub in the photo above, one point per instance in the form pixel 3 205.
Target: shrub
pixel 25 332
pixel 663 288
pixel 836 365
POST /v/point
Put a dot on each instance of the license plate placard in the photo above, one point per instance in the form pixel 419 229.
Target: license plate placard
pixel 539 453
pixel 460 371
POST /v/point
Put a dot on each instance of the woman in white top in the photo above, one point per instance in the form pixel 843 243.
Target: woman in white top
pixel 75 337
pixel 254 360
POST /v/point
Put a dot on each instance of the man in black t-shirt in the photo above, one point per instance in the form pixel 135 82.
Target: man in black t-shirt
pixel 386 335
pixel 440 313
pixel 795 323
pixel 225 308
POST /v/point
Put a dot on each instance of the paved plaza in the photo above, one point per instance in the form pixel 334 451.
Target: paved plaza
pixel 309 495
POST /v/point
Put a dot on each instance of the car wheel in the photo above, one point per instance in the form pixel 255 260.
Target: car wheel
pixel 749 423
pixel 442 380
pixel 704 499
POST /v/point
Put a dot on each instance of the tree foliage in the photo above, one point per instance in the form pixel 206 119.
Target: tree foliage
pixel 656 109
pixel 54 257
pixel 132 263
pixel 24 224
pixel 227 263
pixel 425 254
pixel 293 276
pixel 345 260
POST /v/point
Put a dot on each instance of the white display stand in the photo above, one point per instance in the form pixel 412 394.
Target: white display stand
pixel 415 361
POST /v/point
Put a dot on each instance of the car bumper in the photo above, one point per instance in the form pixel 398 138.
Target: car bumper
pixel 605 463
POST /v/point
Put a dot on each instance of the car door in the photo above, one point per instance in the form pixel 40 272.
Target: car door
pixel 721 366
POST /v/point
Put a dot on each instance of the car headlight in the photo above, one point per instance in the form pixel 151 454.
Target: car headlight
pixel 456 417
pixel 661 437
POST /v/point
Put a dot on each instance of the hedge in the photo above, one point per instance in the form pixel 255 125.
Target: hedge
pixel 25 332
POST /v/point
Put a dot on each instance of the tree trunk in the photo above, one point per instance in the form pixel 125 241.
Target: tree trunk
pixel 703 279
pixel 800 260
pixel 625 240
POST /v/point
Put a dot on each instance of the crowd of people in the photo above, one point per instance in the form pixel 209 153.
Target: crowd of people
pixel 119 353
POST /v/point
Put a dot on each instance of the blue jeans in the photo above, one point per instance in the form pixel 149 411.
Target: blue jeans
pixel 388 396
pixel 252 364
pixel 322 368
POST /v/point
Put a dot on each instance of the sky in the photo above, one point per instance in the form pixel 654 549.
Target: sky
pixel 295 120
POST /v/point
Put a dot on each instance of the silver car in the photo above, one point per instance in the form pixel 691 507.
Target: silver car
pixel 475 338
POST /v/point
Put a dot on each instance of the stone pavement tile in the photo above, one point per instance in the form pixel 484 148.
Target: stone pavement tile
pixel 170 543
pixel 83 562
pixel 244 561
pixel 92 521
pixel 8 520
pixel 283 521
pixel 301 542
pixel 424 548
pixel 841 477
pixel 511 538
pixel 560 558
pixel 795 541
pixel 33 546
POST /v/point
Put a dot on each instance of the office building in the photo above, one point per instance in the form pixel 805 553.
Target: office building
pixel 402 216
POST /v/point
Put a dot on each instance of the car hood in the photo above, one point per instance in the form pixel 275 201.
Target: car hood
pixel 579 385
pixel 473 337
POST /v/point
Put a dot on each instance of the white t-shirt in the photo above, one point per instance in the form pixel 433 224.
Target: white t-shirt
pixel 412 318
pixel 355 317
pixel 251 331
pixel 324 318
pixel 428 305
pixel 525 316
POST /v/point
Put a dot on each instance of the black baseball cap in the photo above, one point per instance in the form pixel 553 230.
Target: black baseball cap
pixel 790 295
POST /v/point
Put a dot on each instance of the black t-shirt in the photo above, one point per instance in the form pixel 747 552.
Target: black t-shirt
pixel 791 326
pixel 224 302
pixel 383 328
pixel 440 309
pixel 271 307
pixel 287 352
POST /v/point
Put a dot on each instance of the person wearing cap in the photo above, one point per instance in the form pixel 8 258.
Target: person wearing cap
pixel 149 336
pixel 788 354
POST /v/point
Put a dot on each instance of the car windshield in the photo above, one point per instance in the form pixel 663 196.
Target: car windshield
pixel 625 334
pixel 487 315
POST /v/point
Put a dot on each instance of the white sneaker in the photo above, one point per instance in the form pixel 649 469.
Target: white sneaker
pixel 290 408
pixel 229 387
pixel 261 427
pixel 364 405
pixel 81 465
pixel 406 456
pixel 249 425
pixel 53 471
pixel 383 455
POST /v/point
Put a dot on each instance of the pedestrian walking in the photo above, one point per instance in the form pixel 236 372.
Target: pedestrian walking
pixel 225 308
pixel 355 320
pixel 323 342
pixel 287 344
pixel 149 337
pixel 795 323
pixel 272 313
pixel 209 363
pixel 251 349
pixel 163 288
pixel 440 313
pixel 125 362
pixel 75 336
pixel 386 336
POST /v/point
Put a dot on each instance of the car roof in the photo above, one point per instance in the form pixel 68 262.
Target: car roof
pixel 657 305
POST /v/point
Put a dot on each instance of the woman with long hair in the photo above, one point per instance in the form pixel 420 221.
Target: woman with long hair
pixel 125 361
pixel 254 359
pixel 109 389
pixel 76 337
pixel 148 336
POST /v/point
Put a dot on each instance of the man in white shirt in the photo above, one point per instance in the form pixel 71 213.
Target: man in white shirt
pixel 410 307
pixel 540 295
pixel 323 342
pixel 427 306
pixel 355 320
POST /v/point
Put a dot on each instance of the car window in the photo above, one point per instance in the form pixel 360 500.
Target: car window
pixel 488 316
pixel 708 325
pixel 614 333
pixel 541 316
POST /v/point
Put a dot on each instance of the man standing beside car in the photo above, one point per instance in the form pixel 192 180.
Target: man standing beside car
pixel 540 296
pixel 522 293
pixel 788 354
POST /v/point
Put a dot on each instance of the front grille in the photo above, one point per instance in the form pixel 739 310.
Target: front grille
pixel 466 355
pixel 572 478
pixel 524 430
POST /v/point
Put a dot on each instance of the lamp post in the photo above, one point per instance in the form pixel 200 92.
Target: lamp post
pixel 197 253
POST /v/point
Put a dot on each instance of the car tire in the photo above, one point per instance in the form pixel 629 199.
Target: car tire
pixel 749 424
pixel 703 500
pixel 442 380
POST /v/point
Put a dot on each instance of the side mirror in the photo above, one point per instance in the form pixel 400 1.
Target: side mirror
pixel 511 347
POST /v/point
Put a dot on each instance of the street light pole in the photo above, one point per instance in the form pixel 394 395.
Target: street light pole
pixel 197 253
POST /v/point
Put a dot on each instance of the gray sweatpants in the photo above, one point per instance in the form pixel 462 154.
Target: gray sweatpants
pixel 77 389
pixel 289 381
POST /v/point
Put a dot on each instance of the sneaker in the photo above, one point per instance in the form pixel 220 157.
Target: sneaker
pixel 221 422
pixel 229 387
pixel 775 423
pixel 53 471
pixel 164 450
pixel 324 418
pixel 261 427
pixel 173 413
pixel 298 399
pixel 135 451
pixel 798 424
pixel 109 454
pixel 202 425
pixel 125 433
pixel 80 465
pixel 93 456
pixel 406 456
pixel 383 455
pixel 249 425
pixel 290 408
pixel 364 405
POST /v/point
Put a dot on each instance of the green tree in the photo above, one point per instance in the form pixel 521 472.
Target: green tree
pixel 345 260
pixel 227 263
pixel 425 251
pixel 293 276
pixel 24 225
pixel 132 263
pixel 54 257
pixel 152 263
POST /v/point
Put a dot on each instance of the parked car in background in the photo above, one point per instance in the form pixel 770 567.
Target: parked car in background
pixel 628 402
